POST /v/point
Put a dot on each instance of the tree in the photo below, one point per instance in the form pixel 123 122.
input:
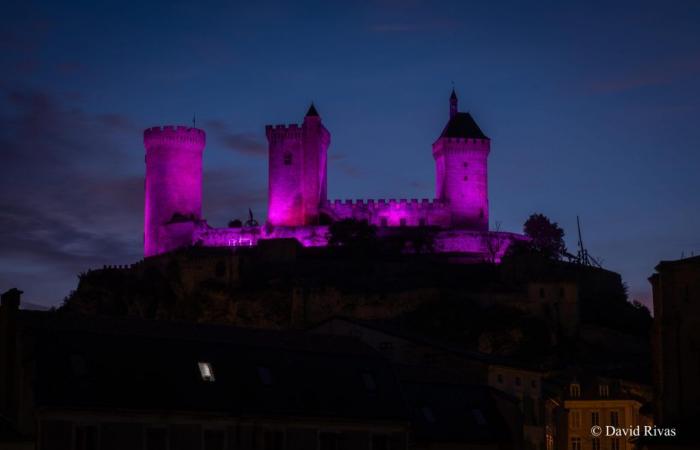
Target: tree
pixel 546 237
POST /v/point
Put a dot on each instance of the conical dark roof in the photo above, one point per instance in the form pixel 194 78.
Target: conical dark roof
pixel 462 125
pixel 312 111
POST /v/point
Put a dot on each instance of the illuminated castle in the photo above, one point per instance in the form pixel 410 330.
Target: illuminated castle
pixel 298 206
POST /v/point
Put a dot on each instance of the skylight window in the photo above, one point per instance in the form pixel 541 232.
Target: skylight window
pixel 479 417
pixel 368 379
pixel 428 414
pixel 265 375
pixel 206 371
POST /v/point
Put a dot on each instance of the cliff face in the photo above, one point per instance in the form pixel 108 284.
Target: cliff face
pixel 495 309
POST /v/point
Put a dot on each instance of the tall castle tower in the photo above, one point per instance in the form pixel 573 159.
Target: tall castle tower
pixel 297 171
pixel 173 186
pixel 461 169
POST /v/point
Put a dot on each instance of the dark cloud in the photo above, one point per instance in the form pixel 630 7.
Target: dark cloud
pixel 71 197
pixel 245 143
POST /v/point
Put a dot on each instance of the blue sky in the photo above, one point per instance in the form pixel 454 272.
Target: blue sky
pixel 591 107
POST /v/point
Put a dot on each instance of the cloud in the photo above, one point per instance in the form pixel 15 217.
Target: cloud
pixel 245 143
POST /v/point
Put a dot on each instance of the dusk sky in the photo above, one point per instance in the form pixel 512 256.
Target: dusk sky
pixel 592 109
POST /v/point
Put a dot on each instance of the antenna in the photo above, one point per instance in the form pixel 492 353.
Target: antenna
pixel 583 257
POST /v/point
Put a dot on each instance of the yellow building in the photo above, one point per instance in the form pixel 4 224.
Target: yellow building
pixel 597 414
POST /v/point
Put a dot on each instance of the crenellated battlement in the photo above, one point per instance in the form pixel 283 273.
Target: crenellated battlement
pixel 283 131
pixel 174 135
pixel 382 203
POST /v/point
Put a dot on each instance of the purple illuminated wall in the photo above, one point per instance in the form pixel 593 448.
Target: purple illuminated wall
pixel 173 186
pixel 297 171
pixel 461 180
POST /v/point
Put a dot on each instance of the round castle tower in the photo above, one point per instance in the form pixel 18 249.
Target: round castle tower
pixel 461 170
pixel 173 187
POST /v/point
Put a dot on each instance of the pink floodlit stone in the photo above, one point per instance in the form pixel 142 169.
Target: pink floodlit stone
pixel 297 169
pixel 173 187
pixel 297 200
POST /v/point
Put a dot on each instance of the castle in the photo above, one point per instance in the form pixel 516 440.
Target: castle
pixel 298 206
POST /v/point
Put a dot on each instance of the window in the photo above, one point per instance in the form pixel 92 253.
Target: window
pixel 575 443
pixel 614 418
pixel 78 366
pixel 466 164
pixel 206 371
pixel 380 442
pixel 518 381
pixel 214 440
pixel 499 377
pixel 595 418
pixel 615 444
pixel 287 159
pixel 604 390
pixel 575 390
pixel 595 444
pixel 368 379
pixel 575 419
pixel 428 414
pixel 328 441
pixel 550 442
pixel 466 177
pixel 479 417
pixel 86 437
pixel 156 439
pixel 273 440
pixel 265 375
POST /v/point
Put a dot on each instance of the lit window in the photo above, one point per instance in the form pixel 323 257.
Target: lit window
pixel 595 418
pixel 206 371
pixel 575 390
pixel 575 443
pixel 265 375
pixel 368 379
pixel 550 442
pixel 479 417
pixel 604 390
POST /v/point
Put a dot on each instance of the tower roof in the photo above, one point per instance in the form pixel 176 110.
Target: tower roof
pixel 462 125
pixel 312 111
pixel 453 96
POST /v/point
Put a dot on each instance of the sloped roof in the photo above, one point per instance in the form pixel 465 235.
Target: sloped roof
pixel 98 363
pixel 462 125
